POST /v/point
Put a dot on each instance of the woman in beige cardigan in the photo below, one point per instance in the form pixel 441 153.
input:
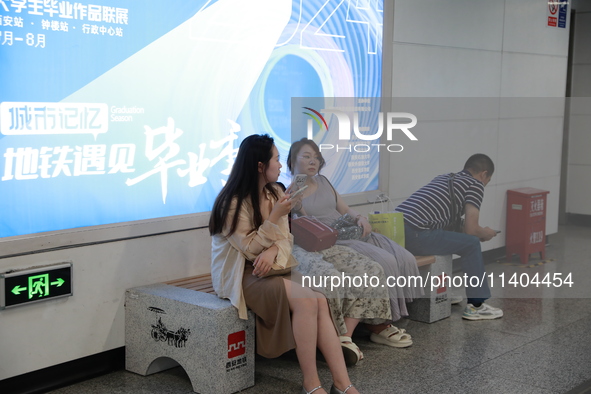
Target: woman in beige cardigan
pixel 251 237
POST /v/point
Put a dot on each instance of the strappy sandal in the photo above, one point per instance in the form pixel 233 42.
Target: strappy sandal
pixel 392 336
pixel 351 351
pixel 334 390
pixel 304 391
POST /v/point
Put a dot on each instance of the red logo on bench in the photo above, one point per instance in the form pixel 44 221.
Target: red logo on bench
pixel 236 344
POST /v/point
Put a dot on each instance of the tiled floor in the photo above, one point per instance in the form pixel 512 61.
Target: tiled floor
pixel 541 345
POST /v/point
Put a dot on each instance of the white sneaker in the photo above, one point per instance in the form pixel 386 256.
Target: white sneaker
pixel 456 299
pixel 483 312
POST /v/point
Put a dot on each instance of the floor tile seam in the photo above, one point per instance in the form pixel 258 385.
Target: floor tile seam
pixel 587 315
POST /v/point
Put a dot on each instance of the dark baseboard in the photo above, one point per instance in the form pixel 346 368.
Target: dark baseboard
pixel 61 375
pixel 578 220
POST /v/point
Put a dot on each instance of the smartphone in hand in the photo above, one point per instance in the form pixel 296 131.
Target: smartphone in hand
pixel 299 191
pixel 299 180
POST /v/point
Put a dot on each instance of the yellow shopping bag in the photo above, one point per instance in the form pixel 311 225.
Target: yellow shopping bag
pixel 390 224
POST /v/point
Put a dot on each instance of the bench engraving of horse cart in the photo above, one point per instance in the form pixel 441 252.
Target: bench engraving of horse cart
pixel 176 338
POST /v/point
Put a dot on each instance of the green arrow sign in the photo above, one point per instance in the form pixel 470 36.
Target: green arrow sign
pixel 17 290
pixel 35 284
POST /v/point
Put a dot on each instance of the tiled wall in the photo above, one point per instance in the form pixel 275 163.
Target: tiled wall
pixel 470 49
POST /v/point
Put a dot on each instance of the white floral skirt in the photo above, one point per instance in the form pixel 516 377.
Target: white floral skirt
pixel 343 276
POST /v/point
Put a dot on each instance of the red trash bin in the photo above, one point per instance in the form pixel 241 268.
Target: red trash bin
pixel 526 223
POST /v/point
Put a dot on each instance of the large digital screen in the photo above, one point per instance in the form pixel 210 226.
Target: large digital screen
pixel 114 111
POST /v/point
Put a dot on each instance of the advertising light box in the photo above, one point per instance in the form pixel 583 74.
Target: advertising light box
pixel 115 111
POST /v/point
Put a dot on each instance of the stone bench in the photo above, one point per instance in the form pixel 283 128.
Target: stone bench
pixel 184 323
pixel 436 304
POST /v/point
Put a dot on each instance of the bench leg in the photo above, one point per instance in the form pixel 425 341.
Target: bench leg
pixel 436 304
pixel 166 326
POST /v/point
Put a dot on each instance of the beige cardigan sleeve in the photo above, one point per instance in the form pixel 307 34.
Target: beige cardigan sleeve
pixel 227 269
pixel 229 253
pixel 253 241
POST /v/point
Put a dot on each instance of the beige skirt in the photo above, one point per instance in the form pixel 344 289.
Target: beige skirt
pixel 267 298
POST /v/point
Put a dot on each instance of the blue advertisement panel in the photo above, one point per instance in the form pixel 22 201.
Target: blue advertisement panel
pixel 114 111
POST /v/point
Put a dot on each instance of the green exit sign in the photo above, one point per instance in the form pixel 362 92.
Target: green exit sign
pixel 35 284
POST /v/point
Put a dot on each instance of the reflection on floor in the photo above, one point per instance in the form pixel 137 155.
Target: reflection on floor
pixel 541 345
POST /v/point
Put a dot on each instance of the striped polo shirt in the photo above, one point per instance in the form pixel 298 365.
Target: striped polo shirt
pixel 429 207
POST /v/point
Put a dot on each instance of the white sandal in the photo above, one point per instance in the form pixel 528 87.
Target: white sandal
pixel 392 336
pixel 351 351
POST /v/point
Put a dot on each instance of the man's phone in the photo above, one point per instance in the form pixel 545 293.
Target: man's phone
pixel 497 231
pixel 300 180
pixel 299 191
